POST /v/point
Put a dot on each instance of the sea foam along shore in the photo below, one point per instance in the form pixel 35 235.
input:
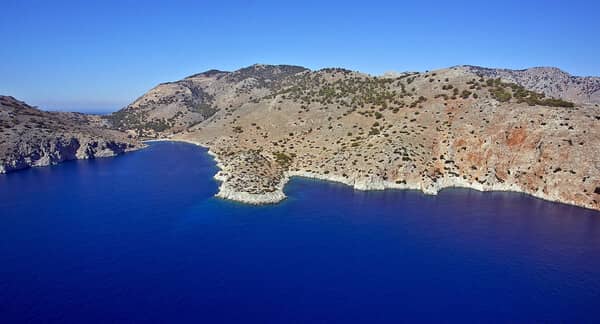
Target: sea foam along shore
pixel 368 183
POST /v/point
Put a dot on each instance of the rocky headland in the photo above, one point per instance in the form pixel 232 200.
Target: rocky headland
pixel 30 137
pixel 534 131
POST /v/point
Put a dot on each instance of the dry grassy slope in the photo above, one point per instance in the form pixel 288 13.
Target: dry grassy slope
pixel 31 137
pixel 427 131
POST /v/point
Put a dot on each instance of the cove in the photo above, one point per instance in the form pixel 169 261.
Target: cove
pixel 140 238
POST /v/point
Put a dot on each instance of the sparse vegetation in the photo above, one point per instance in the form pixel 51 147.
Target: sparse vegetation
pixel 504 92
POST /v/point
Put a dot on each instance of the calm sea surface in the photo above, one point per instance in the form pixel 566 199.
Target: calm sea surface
pixel 139 238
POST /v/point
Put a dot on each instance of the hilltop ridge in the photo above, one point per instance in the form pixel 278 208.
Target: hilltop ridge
pixel 551 81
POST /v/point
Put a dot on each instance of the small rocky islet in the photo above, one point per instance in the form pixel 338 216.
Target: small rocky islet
pixel 534 131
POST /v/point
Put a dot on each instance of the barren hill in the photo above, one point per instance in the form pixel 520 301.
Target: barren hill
pixel 174 106
pixel 461 126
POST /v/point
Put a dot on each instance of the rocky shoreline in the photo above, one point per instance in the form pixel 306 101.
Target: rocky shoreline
pixel 57 152
pixel 30 137
pixel 229 192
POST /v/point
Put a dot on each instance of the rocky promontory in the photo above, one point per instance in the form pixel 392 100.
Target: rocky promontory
pixel 30 137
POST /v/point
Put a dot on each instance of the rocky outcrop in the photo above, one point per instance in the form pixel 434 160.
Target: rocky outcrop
pixel 32 138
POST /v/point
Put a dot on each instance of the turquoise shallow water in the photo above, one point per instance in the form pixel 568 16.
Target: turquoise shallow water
pixel 140 238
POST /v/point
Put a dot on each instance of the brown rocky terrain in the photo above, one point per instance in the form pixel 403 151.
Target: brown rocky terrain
pixel 462 126
pixel 30 137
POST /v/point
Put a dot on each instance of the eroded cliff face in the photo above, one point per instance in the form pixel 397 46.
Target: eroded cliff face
pixel 426 131
pixel 31 138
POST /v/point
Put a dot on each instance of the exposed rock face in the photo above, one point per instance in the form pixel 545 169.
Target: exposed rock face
pixel 427 131
pixel 30 137
pixel 548 80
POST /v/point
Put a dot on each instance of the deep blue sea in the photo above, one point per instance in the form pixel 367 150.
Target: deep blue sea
pixel 140 238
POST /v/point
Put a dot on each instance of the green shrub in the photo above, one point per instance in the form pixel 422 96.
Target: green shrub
pixel 282 158
pixel 500 94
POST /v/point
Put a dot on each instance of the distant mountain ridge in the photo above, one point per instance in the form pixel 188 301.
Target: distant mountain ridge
pixel 551 81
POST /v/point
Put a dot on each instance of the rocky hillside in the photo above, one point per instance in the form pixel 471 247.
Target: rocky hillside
pixel 174 106
pixel 426 131
pixel 31 137
pixel 550 81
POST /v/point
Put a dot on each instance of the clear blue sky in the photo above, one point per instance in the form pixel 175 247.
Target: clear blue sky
pixel 101 55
